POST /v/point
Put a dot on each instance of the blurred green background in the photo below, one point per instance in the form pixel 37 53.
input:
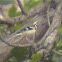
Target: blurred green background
pixel 6 1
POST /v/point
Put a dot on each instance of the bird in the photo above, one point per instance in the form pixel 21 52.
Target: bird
pixel 23 37
pixel 30 33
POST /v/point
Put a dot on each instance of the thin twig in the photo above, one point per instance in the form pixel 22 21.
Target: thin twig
pixel 56 52
pixel 21 7
pixel 48 15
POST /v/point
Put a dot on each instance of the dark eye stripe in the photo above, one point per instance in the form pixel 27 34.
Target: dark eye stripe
pixel 29 28
pixel 18 32
pixel 24 29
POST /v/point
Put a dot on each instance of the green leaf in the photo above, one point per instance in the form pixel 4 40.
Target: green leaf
pixel 29 4
pixel 13 12
pixel 59 45
pixel 48 0
pixel 60 30
pixel 12 29
pixel 20 53
pixel 36 57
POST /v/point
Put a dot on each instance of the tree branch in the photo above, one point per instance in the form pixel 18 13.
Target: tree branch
pixel 21 19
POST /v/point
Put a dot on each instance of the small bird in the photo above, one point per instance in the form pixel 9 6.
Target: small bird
pixel 23 37
pixel 29 33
